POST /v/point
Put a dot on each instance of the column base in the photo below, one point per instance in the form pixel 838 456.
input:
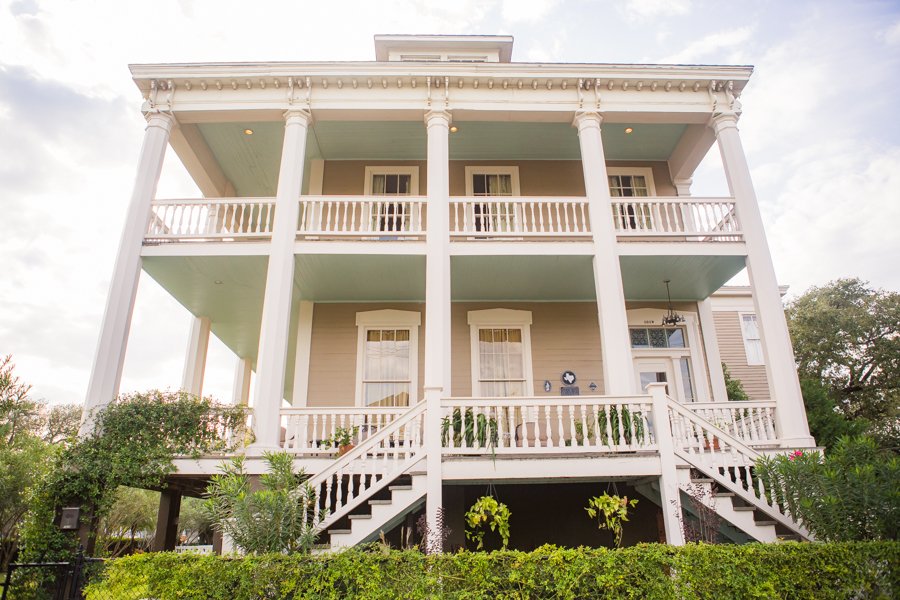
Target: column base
pixel 798 442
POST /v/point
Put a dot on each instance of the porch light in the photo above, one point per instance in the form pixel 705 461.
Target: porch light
pixel 248 131
pixel 453 129
pixel 672 318
pixel 628 130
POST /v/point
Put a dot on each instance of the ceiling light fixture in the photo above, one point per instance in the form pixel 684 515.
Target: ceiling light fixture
pixel 628 130
pixel 218 282
pixel 453 129
pixel 672 318
pixel 248 131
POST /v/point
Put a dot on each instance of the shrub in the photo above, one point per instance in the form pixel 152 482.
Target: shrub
pixel 650 571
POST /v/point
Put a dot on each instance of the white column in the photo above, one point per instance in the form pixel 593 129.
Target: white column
pixel 437 300
pixel 301 363
pixel 778 353
pixel 195 359
pixel 615 343
pixel 670 495
pixel 106 374
pixel 242 370
pixel 276 316
pixel 713 358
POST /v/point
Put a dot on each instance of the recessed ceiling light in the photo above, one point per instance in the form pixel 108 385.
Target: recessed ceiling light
pixel 248 131
pixel 628 130
pixel 218 282
pixel 453 129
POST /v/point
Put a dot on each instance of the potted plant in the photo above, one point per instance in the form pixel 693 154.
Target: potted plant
pixel 342 439
pixel 611 511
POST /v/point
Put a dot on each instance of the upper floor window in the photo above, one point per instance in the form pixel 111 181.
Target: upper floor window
pixel 393 182
pixel 752 341
pixel 493 182
pixel 630 182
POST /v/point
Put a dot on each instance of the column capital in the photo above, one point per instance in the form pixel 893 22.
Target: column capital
pixel 299 116
pixel 723 120
pixel 163 120
pixel 438 116
pixel 586 119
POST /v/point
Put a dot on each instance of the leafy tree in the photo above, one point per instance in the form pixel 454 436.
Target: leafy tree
pixel 847 335
pixel 133 517
pixel 194 523
pixel 281 517
pixel 734 387
pixel 851 494
pixel 826 422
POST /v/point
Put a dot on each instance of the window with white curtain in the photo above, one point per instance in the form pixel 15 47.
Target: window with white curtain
pixel 494 182
pixel 752 341
pixel 387 376
pixel 501 353
pixel 391 213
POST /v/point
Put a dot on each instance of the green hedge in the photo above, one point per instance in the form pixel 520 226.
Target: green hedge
pixel 647 571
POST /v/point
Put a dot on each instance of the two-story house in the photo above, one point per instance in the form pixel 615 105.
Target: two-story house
pixel 495 270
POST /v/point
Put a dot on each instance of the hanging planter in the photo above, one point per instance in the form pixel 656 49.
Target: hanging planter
pixel 487 511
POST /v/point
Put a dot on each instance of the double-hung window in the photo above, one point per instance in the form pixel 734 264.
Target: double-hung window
pixel 752 340
pixel 387 357
pixel 391 211
pixel 501 353
pixel 627 185
pixel 495 214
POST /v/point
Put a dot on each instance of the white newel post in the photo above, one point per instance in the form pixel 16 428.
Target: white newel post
pixel 241 390
pixel 106 374
pixel 276 316
pixel 778 354
pixel 195 359
pixel 437 301
pixel 615 343
pixel 713 357
pixel 670 495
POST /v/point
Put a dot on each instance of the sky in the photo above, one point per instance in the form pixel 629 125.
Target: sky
pixel 820 129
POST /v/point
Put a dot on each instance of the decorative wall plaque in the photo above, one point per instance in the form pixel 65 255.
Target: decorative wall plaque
pixel 569 378
pixel 548 386
pixel 569 390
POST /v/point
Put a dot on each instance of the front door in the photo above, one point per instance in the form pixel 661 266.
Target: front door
pixel 653 370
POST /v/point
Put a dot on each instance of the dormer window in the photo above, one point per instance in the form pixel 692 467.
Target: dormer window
pixel 420 57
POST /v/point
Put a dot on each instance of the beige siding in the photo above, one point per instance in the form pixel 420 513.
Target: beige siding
pixel 333 350
pixel 564 336
pixel 536 177
pixel 731 347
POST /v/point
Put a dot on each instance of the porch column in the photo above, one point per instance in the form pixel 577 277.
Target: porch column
pixel 195 360
pixel 106 374
pixel 615 343
pixel 669 492
pixel 167 521
pixel 301 363
pixel 276 315
pixel 437 301
pixel 778 353
pixel 713 358
pixel 241 393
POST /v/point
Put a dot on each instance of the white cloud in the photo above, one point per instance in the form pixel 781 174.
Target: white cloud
pixel 892 35
pixel 711 44
pixel 527 10
pixel 645 9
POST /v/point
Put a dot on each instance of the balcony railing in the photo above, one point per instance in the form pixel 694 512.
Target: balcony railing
pixel 681 219
pixel 362 217
pixel 519 218
pixel 206 219
pixel 306 429
pixel 753 423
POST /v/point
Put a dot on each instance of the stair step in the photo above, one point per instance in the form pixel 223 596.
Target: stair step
pixel 721 494
pixel 794 537
pixel 371 502
pixel 353 517
pixel 340 531
pixel 702 480
pixel 743 508
pixel 399 488
pixel 765 523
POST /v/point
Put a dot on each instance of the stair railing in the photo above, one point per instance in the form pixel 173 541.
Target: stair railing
pixel 725 459
pixel 371 466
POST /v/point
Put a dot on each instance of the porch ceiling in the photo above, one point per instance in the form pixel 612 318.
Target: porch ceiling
pixel 522 278
pixel 360 277
pixel 692 277
pixel 252 162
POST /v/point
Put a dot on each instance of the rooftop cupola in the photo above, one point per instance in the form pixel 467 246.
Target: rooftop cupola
pixel 444 48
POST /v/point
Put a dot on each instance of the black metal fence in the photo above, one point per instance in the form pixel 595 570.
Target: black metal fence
pixel 51 581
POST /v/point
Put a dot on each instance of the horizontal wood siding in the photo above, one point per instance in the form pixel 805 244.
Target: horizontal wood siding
pixel 731 348
pixel 333 349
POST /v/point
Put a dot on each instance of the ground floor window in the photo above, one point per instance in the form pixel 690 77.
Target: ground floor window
pixel 387 359
pixel 501 353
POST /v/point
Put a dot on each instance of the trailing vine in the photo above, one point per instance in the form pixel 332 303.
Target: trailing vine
pixel 132 444
pixel 610 511
pixel 487 510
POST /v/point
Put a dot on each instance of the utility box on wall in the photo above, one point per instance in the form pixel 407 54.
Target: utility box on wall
pixel 70 516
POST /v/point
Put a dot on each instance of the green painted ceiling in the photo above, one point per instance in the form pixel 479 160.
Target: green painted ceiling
pixel 360 277
pixel 521 278
pixel 692 277
pixel 251 162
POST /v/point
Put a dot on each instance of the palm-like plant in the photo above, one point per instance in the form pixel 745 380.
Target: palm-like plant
pixel 281 517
